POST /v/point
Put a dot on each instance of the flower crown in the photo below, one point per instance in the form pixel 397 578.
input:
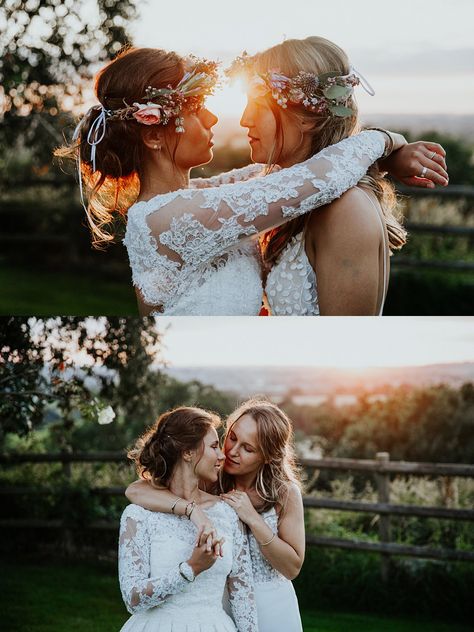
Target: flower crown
pixel 163 104
pixel 327 93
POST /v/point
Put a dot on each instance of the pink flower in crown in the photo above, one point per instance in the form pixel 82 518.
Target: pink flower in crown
pixel 147 113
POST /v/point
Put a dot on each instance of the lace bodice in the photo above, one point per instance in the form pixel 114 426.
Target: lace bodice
pixel 170 237
pixel 262 570
pixel 291 286
pixel 151 547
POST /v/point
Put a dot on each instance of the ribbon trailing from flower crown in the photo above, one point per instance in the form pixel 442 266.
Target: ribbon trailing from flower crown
pixel 363 81
pixel 93 139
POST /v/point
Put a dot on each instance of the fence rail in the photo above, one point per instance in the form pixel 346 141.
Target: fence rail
pixel 381 467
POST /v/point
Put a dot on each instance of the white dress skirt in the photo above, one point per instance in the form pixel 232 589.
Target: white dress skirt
pixel 275 597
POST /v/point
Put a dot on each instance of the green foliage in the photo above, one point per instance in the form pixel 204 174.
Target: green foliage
pixel 43 384
pixel 47 49
pixel 429 293
pixel 434 423
pixel 335 579
pixel 459 155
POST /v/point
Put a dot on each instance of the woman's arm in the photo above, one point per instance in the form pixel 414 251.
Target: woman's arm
pixel 285 549
pixel 191 226
pixel 143 494
pixel 240 583
pixel 140 591
pixel 407 164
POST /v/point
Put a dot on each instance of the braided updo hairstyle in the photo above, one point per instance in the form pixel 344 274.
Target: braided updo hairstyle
pixel 115 184
pixel 159 449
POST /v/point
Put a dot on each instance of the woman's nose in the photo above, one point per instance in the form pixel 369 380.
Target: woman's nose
pixel 246 118
pixel 220 455
pixel 210 119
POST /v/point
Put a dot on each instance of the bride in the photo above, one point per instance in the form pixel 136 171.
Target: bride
pixel 259 480
pixel 167 582
pixel 192 250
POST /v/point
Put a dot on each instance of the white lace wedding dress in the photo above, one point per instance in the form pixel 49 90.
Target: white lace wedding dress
pixel 277 605
pixel 151 547
pixel 291 286
pixel 182 244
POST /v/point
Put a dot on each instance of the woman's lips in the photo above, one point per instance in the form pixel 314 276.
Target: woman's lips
pixel 228 460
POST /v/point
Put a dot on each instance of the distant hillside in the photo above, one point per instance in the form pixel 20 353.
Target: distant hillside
pixel 271 381
pixel 462 126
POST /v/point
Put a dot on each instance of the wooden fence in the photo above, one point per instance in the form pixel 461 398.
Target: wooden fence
pixel 381 467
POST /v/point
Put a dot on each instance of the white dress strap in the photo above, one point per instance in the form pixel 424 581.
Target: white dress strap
pixel 384 294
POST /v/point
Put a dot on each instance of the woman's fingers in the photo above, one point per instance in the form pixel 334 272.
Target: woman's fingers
pixel 418 182
pixel 198 536
pixel 434 147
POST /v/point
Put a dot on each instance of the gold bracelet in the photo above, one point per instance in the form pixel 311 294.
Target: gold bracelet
pixel 174 504
pixel 269 541
pixel 191 504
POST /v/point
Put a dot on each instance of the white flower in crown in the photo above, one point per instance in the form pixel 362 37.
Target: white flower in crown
pixel 147 113
pixel 106 416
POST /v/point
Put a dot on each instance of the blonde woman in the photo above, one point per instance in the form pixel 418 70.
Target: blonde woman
pixel 260 482
pixel 192 246
pixel 334 261
pixel 168 584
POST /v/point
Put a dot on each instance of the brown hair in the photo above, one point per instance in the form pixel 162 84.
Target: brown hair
pixel 318 55
pixel 159 449
pixel 115 185
pixel 275 440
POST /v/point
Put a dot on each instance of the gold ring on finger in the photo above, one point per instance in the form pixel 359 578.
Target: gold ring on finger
pixel 432 155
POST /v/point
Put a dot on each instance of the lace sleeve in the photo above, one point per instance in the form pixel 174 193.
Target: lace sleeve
pixel 196 225
pixel 228 177
pixel 139 590
pixel 240 583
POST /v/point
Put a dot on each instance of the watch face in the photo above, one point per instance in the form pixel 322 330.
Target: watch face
pixel 187 571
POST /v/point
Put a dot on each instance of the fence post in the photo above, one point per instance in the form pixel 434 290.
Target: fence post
pixel 67 537
pixel 383 496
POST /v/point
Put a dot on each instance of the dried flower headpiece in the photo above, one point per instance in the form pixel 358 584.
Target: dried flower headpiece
pixel 327 93
pixel 163 104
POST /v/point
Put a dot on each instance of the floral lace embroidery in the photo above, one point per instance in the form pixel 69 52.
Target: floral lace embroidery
pixel 262 570
pixel 291 284
pixel 170 236
pixel 146 537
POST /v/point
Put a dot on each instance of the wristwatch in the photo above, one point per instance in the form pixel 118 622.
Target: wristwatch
pixel 186 572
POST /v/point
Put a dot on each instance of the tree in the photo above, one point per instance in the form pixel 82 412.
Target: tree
pixel 73 368
pixel 47 51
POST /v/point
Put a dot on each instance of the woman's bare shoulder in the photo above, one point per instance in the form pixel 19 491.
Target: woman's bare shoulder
pixel 353 214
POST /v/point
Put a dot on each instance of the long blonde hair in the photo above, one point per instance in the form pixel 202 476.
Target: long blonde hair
pixel 275 440
pixel 318 55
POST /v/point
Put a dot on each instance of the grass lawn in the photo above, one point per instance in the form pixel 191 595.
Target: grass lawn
pixel 41 292
pixel 79 597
